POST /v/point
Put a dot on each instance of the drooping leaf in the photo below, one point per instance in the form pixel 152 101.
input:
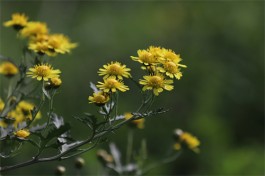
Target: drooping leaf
pixel 66 147
pixel 57 132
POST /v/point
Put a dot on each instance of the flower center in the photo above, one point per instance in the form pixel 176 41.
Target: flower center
pixel 99 98
pixel 156 81
pixel 147 58
pixel 171 67
pixel 111 83
pixel 115 69
pixel 43 70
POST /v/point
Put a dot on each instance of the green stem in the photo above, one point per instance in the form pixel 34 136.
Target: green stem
pixel 129 146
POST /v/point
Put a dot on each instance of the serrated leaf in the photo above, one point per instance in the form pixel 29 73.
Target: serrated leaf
pixel 56 132
pixel 57 121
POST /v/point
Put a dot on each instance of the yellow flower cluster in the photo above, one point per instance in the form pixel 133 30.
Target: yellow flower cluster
pixel 20 113
pixel 162 66
pixel 113 74
pixel 40 40
pixel 185 138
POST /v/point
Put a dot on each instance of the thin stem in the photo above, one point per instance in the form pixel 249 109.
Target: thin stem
pixel 159 163
pixel 129 146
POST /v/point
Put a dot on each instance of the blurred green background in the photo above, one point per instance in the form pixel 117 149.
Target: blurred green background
pixel 220 98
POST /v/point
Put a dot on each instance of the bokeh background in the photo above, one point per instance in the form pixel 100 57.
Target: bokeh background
pixel 220 98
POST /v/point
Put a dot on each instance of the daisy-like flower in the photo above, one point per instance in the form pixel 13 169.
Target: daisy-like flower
pixel 169 55
pixel 40 48
pixel 18 21
pixel 111 84
pixel 59 43
pixel 51 45
pixel 33 29
pixel 171 69
pixel 99 98
pixel 25 108
pixel 115 69
pixel 156 83
pixel 187 139
pixel 43 72
pixel 8 69
pixel 24 133
pixel 139 123
pixel 56 82
pixel 145 58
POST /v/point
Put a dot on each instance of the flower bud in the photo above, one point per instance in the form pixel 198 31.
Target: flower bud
pixel 60 170
pixel 79 162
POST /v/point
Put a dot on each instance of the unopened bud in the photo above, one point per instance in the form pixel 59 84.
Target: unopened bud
pixel 79 162
pixel 60 170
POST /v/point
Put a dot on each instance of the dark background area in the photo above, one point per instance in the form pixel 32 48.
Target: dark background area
pixel 220 98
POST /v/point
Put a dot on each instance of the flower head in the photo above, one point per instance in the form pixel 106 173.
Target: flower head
pixel 111 84
pixel 171 69
pixel 99 98
pixel 156 83
pixel 51 45
pixel 22 133
pixel 8 69
pixel 33 29
pixel 145 57
pixel 18 21
pixel 115 69
pixel 55 82
pixel 43 72
pixel 139 123
pixel 187 139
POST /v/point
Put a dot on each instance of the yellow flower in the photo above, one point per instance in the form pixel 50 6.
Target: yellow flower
pixel 33 29
pixel 111 84
pixel 51 45
pixel 59 43
pixel 145 57
pixel 115 69
pixel 156 83
pixel 139 123
pixel 170 55
pixel 22 133
pixel 55 82
pixel 8 69
pixel 171 69
pixel 18 21
pixel 188 139
pixel 26 108
pixel 2 105
pixel 43 72
pixel 40 48
pixel 99 98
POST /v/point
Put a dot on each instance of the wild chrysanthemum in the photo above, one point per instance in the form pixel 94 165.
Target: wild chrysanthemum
pixel 43 72
pixel 8 69
pixel 55 82
pixel 139 123
pixel 171 69
pixel 99 98
pixel 145 57
pixel 18 21
pixel 156 83
pixel 22 133
pixel 111 84
pixel 25 108
pixel 115 69
pixel 33 29
pixel 40 48
pixel 187 139
pixel 60 44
